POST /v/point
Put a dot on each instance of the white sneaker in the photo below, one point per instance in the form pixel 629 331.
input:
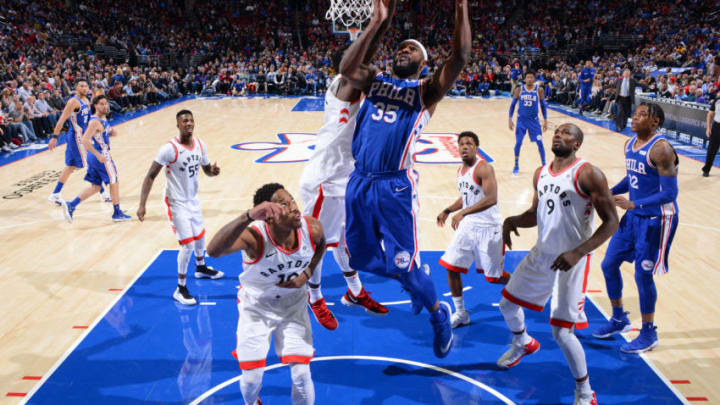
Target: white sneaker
pixel 517 352
pixel 182 295
pixel 6 148
pixel 459 318
pixel 55 198
pixel 585 398
pixel 426 269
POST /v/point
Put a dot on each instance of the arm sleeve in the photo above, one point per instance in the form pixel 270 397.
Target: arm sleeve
pixel 621 188
pixel 512 106
pixel 543 108
pixel 668 192
pixel 166 155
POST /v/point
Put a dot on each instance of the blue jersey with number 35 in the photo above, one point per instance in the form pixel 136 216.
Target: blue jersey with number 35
pixel 644 179
pixel 389 123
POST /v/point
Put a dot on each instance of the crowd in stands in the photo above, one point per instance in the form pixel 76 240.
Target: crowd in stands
pixel 170 48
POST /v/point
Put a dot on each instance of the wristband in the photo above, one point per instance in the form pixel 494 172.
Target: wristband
pixel 446 211
pixel 53 136
pixel 247 213
pixel 306 274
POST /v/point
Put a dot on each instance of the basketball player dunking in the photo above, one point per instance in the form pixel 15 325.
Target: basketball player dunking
pixel 567 191
pixel 322 188
pixel 381 198
pixel 183 156
pixel 647 228
pixel 478 226
pixel 281 250
pixel 100 164
pixel 531 98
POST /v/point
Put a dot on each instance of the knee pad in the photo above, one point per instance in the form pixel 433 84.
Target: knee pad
pixel 506 306
pixel 185 252
pixel 561 335
pixel 253 376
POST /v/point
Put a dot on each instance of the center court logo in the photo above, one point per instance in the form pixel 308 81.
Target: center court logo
pixel 294 147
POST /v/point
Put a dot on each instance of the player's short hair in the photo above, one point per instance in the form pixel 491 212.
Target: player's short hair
pixel 97 99
pixel 82 79
pixel 471 135
pixel 337 58
pixel 530 72
pixel 266 192
pixel 183 112
pixel 577 132
pixel 655 111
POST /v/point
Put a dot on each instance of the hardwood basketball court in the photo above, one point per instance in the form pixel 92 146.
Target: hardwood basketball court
pixel 58 278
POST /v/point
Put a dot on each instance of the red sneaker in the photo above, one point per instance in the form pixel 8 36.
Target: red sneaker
pixel 363 299
pixel 323 315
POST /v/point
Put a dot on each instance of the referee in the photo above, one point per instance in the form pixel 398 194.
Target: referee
pixel 713 133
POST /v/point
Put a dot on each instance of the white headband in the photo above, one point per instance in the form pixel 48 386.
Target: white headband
pixel 419 45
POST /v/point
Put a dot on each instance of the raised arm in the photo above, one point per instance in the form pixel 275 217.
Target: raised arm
pixel 70 107
pixel 146 187
pixel 437 85
pixel 234 236
pixel 593 182
pixel 354 67
pixel 527 219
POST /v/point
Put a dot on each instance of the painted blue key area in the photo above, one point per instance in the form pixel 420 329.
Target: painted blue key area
pixel 148 349
pixel 310 104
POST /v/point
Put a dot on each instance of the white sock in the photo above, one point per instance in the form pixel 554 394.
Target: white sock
pixel 522 338
pixel 354 284
pixel 183 259
pixel 199 247
pixel 250 384
pixel 583 386
pixel 315 294
pixel 303 391
pixel 573 351
pixel 459 303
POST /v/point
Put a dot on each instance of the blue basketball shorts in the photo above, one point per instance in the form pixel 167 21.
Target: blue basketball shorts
pixel 381 222
pixel 99 173
pixel 643 240
pixel 75 151
pixel 532 127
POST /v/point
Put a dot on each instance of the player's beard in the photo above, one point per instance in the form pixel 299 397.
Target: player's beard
pixel 561 152
pixel 405 71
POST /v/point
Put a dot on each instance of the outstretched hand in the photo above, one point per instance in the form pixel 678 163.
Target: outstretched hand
pixel 381 10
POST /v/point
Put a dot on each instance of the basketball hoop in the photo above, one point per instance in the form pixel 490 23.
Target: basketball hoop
pixel 354 33
pixel 349 15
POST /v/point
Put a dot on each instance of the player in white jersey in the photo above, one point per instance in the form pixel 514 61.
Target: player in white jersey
pixel 281 250
pixel 182 157
pixel 322 191
pixel 567 192
pixel 478 226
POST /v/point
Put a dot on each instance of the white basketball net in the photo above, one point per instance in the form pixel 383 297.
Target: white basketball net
pixel 350 13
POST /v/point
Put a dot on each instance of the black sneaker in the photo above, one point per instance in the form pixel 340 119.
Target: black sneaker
pixel 706 174
pixel 182 295
pixel 203 271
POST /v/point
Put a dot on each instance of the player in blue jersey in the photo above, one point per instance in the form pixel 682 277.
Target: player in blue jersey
pixel 77 110
pixel 381 196
pixel 647 228
pixel 585 84
pixel 101 167
pixel 530 96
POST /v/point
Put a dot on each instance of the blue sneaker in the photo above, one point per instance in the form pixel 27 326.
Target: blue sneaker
pixel 613 326
pixel 646 340
pixel 120 217
pixel 442 342
pixel 68 210
pixel 516 170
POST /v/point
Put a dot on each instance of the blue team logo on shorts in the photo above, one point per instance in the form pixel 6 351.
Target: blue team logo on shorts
pixel 402 260
pixel 647 265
